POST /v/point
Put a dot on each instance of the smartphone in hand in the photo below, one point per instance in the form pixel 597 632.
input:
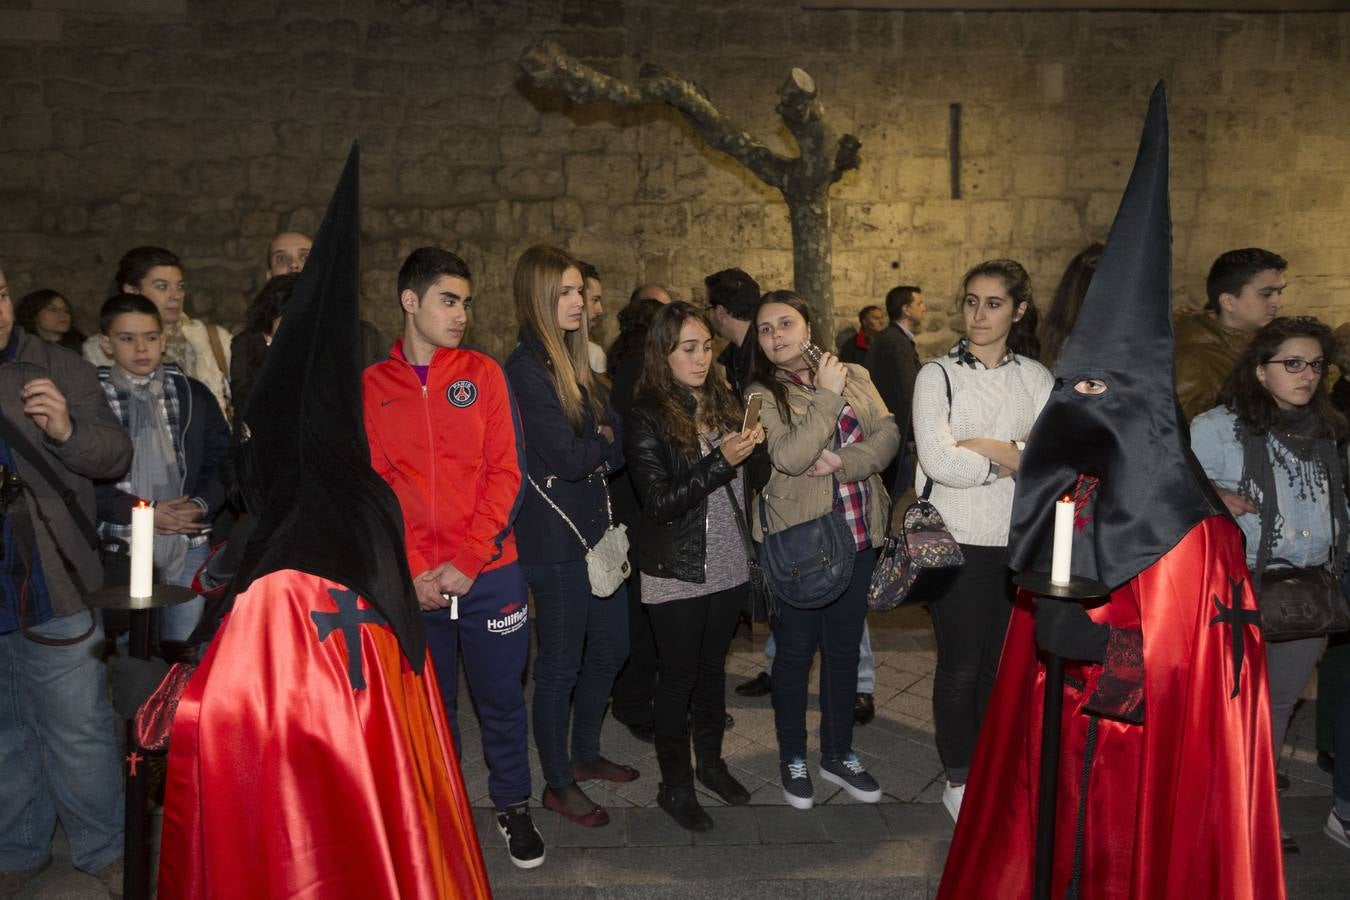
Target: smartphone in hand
pixel 752 405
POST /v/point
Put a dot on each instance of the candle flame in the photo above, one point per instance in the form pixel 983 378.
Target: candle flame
pixel 1066 499
pixel 141 504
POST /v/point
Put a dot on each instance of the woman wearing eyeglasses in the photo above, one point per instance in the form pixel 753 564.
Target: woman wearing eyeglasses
pixel 1270 450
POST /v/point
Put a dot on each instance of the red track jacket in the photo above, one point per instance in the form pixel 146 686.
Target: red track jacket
pixel 453 453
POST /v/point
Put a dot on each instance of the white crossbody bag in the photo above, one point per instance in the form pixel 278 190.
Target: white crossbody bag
pixel 607 562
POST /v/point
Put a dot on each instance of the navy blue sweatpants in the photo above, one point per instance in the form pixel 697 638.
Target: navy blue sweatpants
pixel 493 632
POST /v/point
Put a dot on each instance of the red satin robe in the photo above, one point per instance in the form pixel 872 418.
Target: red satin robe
pixel 1180 806
pixel 286 781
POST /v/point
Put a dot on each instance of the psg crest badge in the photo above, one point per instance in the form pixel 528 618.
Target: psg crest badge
pixel 462 393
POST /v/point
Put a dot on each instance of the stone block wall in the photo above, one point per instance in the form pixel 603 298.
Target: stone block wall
pixel 207 126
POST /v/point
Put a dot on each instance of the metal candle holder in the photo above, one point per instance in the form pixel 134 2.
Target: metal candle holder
pixel 136 868
pixel 1077 589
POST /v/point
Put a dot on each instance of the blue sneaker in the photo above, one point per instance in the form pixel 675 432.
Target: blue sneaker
pixel 850 775
pixel 797 787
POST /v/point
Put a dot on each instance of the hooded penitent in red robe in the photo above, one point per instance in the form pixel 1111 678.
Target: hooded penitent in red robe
pixel 287 781
pixel 1166 778
pixel 310 756
pixel 1179 805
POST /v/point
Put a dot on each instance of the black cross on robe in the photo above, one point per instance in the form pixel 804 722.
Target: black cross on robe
pixel 348 619
pixel 1237 617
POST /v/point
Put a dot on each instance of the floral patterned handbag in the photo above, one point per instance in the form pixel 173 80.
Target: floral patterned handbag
pixel 922 544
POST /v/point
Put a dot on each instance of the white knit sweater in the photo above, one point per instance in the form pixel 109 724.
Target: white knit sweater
pixel 999 403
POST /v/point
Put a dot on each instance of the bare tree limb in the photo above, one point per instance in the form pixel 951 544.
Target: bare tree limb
pixel 549 67
pixel 804 180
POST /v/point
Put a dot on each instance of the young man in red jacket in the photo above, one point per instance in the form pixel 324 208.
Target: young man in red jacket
pixel 444 432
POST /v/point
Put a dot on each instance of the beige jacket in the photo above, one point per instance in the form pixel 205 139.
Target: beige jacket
pixel 791 496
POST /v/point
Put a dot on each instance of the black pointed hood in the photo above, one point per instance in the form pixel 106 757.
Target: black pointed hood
pixel 1133 437
pixel 321 508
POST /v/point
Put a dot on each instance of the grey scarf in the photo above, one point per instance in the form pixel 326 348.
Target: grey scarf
pixel 156 469
pixel 1295 449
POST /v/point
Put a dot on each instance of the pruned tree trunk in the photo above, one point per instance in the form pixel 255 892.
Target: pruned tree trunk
pixel 804 180
pixel 812 271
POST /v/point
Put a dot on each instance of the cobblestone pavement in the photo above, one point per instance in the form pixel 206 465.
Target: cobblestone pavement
pixel 768 850
pixel 841 849
pixel 897 747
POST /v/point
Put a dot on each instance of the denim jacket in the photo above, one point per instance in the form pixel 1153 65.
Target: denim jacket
pixel 1305 532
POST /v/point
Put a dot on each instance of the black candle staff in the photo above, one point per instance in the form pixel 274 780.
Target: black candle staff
pixel 136 855
pixel 1077 590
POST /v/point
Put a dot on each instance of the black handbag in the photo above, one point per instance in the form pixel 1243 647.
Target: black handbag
pixel 1301 603
pixel 762 605
pixel 808 565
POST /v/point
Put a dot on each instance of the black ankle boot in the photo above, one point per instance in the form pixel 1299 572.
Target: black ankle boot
pixel 680 802
pixel 717 778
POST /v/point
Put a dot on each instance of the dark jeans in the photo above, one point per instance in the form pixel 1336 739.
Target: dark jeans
pixel 1333 687
pixel 571 687
pixel 899 475
pixel 693 636
pixel 970 620
pixel 635 688
pixel 835 630
pixel 1340 776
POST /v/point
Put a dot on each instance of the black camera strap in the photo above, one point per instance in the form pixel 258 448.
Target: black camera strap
pixel 23 523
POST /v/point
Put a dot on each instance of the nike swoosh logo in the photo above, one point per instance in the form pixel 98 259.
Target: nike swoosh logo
pixel 387 402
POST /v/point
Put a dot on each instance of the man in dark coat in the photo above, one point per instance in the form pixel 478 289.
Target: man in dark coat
pixel 732 297
pixel 853 347
pixel 893 362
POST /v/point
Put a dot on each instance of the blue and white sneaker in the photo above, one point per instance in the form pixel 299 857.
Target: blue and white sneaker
pixel 797 787
pixel 850 775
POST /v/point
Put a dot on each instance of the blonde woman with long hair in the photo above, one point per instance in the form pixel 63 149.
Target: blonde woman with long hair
pixel 570 448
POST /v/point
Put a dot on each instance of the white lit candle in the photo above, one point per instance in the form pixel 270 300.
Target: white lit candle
pixel 1062 560
pixel 142 550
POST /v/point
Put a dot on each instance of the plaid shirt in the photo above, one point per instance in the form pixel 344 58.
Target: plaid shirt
pixel 850 498
pixel 961 353
pixel 172 410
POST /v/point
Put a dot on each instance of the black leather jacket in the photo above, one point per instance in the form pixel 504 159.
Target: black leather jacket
pixel 672 487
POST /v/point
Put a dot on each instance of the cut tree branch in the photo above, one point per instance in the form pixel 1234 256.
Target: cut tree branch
pixel 804 180
pixel 549 67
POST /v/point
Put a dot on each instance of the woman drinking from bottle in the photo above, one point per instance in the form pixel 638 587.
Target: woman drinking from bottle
pixel 828 436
